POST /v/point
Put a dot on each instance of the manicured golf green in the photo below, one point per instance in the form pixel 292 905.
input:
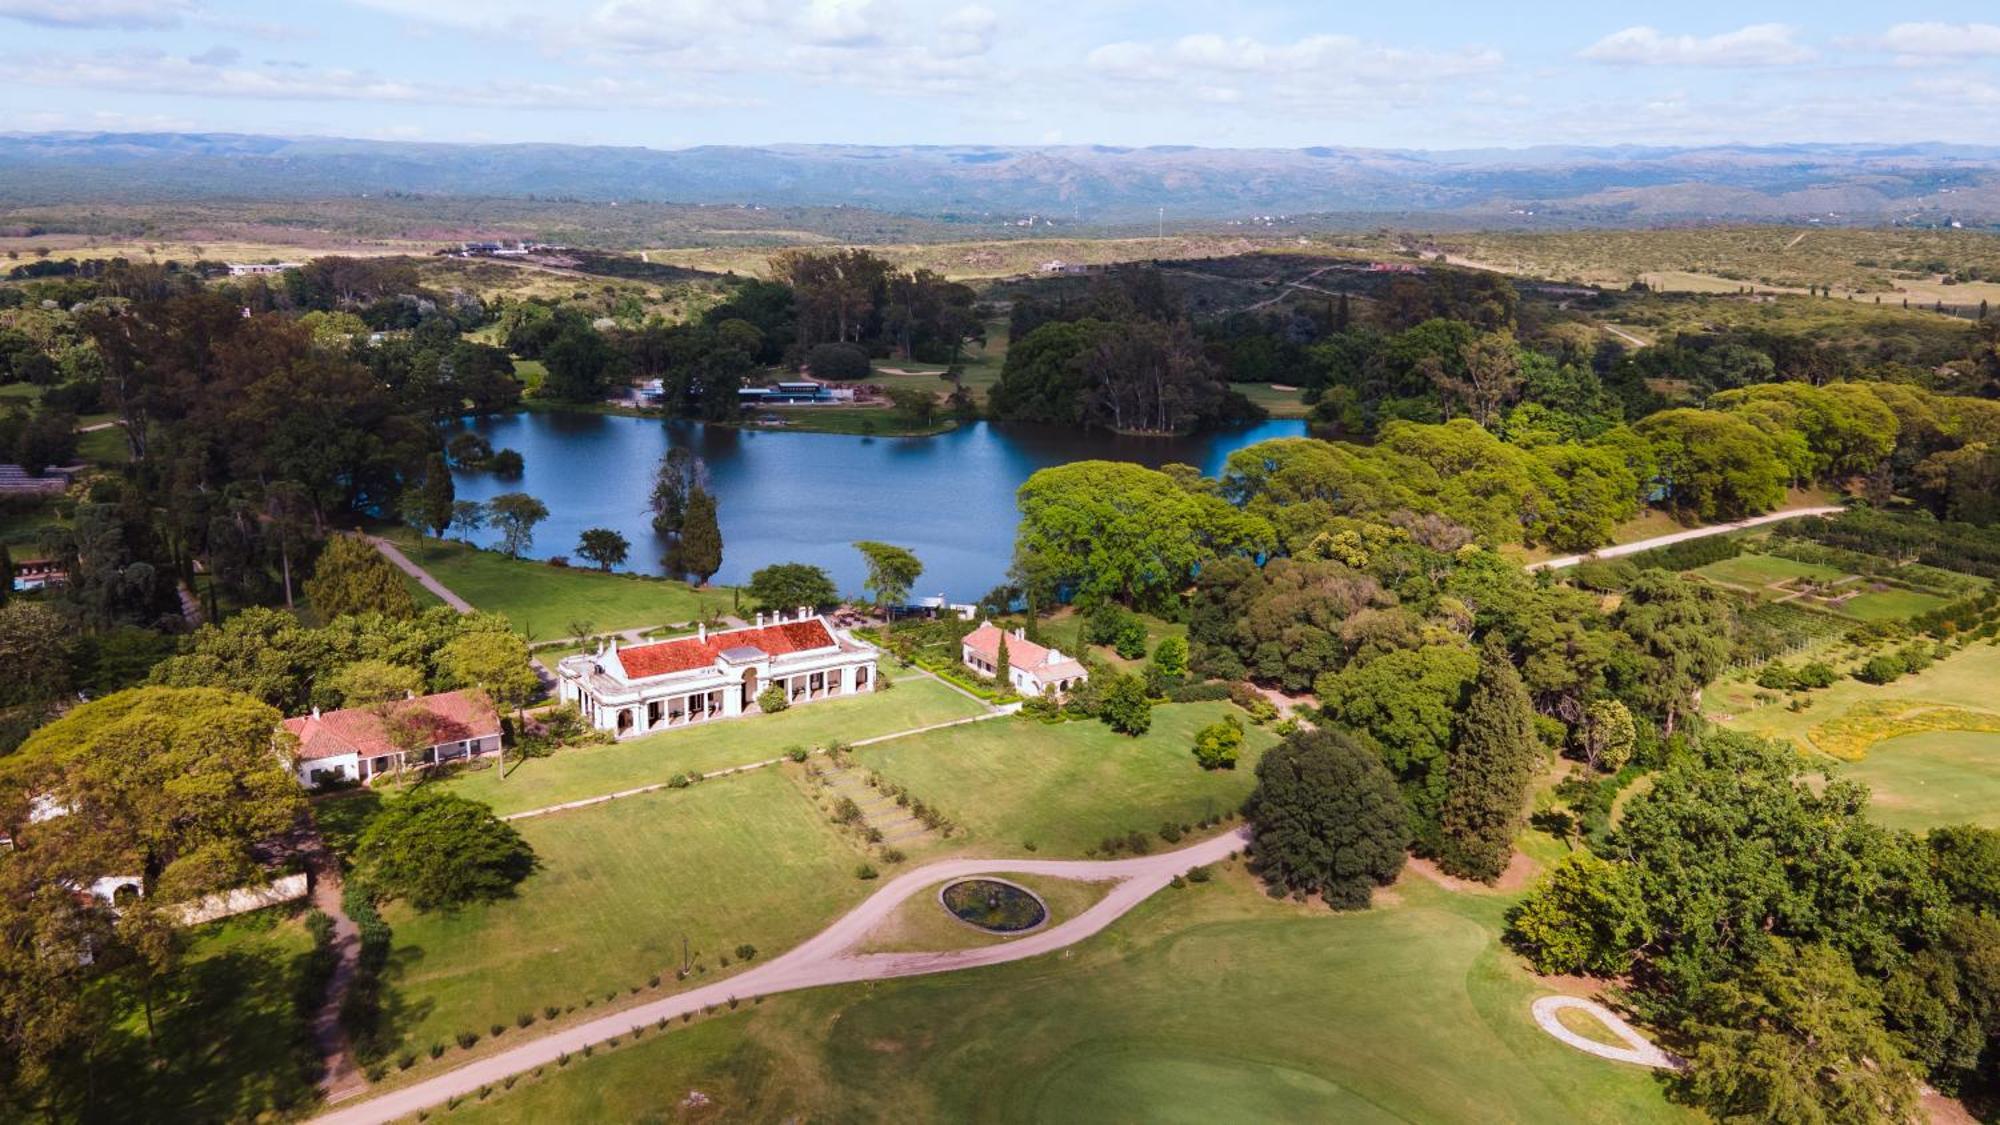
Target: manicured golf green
pixel 1065 786
pixel 543 601
pixel 1924 780
pixel 591 771
pixel 740 860
pixel 1208 1003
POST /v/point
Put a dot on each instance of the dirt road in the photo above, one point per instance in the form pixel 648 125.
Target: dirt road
pixel 1616 550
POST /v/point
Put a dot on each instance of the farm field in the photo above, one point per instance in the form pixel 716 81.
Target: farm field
pixel 1064 787
pixel 1889 604
pixel 542 600
pixel 1189 1009
pixel 1758 571
pixel 1965 679
pixel 1925 780
pixel 590 771
pixel 738 860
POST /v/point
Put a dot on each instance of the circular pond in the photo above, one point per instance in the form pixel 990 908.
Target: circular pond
pixel 994 905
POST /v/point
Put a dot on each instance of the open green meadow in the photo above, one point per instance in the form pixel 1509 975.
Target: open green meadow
pixel 1965 679
pixel 1207 1003
pixel 1064 787
pixel 740 860
pixel 1759 571
pixel 1889 604
pixel 1281 402
pixel 590 771
pixel 1924 780
pixel 543 600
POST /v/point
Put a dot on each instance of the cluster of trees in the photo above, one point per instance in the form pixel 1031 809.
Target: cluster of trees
pixel 684 510
pixel 1126 359
pixel 855 297
pixel 1807 961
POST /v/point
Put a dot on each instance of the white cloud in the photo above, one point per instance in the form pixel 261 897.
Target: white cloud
pixel 1328 58
pixel 1943 40
pixel 97 13
pixel 155 72
pixel 1762 44
pixel 841 23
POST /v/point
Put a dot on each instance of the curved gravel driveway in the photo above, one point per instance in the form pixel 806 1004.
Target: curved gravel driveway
pixel 824 959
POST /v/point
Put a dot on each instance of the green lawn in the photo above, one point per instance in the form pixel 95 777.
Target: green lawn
pixel 740 860
pixel 1280 403
pixel 588 771
pixel 1939 777
pixel 1066 786
pixel 104 447
pixel 1211 1003
pixel 1888 605
pixel 1758 571
pixel 542 600
pixel 1964 679
pixel 230 1036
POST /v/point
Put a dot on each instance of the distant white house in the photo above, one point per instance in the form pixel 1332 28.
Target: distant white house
pixel 718 675
pixel 249 269
pixel 1031 669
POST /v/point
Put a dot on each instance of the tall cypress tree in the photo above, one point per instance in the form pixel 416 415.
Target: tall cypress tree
pixel 701 538
pixel 438 495
pixel 1489 770
pixel 1003 665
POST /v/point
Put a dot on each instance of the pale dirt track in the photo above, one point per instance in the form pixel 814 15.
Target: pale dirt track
pixel 1616 550
pixel 825 959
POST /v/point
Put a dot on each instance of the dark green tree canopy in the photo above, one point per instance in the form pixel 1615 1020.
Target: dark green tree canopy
pixel 786 586
pixel 1327 818
pixel 439 850
pixel 352 578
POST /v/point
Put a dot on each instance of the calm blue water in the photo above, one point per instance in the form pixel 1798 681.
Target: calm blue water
pixel 802 497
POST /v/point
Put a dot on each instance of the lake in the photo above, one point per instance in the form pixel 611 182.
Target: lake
pixel 788 496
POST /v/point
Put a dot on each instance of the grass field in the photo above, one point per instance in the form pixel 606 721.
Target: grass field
pixel 589 771
pixel 1758 571
pixel 1939 777
pixel 543 600
pixel 1889 605
pixel 1066 786
pixel 1281 403
pixel 740 860
pixel 1964 679
pixel 1208 1003
pixel 922 925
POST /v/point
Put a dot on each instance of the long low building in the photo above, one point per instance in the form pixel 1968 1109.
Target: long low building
pixel 715 675
pixel 355 744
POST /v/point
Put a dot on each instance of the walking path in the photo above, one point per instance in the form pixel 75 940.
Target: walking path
pixel 340 1076
pixel 395 555
pixel 825 959
pixel 1618 549
pixel 1638 1050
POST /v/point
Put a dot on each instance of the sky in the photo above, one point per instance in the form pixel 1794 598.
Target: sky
pixel 1234 73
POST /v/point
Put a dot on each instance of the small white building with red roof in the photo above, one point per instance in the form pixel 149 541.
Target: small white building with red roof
pixel 640 689
pixel 355 744
pixel 1031 669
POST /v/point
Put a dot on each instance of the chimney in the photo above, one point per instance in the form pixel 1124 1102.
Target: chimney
pixel 760 619
pixel 802 612
pixel 315 712
pixel 701 631
pixel 1020 634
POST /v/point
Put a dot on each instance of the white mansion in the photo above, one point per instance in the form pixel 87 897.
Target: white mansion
pixel 645 688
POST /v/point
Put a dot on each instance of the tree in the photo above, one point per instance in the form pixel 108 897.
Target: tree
pixel 494 661
pixel 1608 735
pixel 701 538
pixel 1170 656
pixel 1406 702
pixel 1795 1038
pixel 1715 465
pixel 892 570
pixel 1003 664
pixel 580 365
pixel 372 682
pixel 1584 917
pixel 36 649
pixel 438 495
pixel 516 514
pixel 468 516
pixel 1683 633
pixel 603 546
pixel 1124 706
pixel 842 363
pixel 439 850
pixel 1488 770
pixel 1217 746
pixel 351 577
pixel 679 474
pixel 784 586
pixel 1327 819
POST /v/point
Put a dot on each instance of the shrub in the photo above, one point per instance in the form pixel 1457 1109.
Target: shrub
pixel 406 1060
pixel 467 1038
pixel 378 1072
pixel 524 1019
pixel 773 700
pixel 653 981
pixel 1207 691
pixel 550 1012
pixel 796 753
pixel 893 855
pixel 1199 874
pixel 1217 746
pixel 437 1050
pixel 562 1059
pixel 1171 833
pixel 746 952
pixel 497 1029
pixel 865 872
pixel 679 781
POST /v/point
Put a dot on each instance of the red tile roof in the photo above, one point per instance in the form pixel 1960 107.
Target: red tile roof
pixel 451 716
pixel 1021 653
pixel 685 653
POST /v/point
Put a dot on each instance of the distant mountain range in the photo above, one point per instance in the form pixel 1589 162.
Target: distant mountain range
pixel 1095 185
